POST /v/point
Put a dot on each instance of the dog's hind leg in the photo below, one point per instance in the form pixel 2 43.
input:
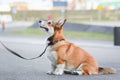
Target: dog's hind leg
pixel 77 71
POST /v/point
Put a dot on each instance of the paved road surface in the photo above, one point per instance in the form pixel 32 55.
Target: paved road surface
pixel 14 68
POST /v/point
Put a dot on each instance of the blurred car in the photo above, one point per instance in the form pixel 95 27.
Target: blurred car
pixel 7 18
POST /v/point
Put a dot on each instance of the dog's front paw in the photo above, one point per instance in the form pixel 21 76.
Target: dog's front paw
pixel 58 72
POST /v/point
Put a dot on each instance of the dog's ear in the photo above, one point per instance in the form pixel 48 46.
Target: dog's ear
pixel 61 22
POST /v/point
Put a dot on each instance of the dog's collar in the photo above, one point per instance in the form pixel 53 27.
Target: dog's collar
pixel 54 42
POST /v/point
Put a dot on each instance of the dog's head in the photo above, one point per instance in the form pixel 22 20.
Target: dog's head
pixel 51 26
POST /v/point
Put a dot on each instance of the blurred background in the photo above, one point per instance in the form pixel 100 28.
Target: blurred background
pixel 73 10
pixel 89 19
pixel 94 25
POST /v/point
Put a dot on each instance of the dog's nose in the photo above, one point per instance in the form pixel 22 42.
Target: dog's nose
pixel 40 21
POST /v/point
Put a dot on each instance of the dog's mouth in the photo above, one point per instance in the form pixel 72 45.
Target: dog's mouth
pixel 46 29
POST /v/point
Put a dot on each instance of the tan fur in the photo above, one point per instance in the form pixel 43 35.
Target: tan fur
pixel 72 55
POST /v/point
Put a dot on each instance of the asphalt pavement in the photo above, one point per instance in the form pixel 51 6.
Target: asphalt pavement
pixel 14 68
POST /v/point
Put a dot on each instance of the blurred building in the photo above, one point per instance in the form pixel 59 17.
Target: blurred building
pixel 40 5
pixel 20 6
pixel 109 5
pixel 94 4
pixel 59 4
pixel 4 7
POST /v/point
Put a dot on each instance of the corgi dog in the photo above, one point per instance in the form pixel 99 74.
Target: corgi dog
pixel 65 56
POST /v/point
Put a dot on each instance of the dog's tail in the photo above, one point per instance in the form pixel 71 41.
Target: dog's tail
pixel 106 70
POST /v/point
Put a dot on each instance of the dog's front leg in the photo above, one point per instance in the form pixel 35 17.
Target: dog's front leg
pixel 53 67
pixel 60 66
pixel 60 62
pixel 59 69
pixel 52 57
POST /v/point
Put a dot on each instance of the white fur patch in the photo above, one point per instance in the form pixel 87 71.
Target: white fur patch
pixel 52 56
pixel 50 29
pixel 79 72
pixel 42 23
pixel 59 69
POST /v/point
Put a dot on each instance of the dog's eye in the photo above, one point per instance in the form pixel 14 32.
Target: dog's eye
pixel 49 22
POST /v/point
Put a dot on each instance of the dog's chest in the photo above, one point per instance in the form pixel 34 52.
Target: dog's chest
pixel 52 55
